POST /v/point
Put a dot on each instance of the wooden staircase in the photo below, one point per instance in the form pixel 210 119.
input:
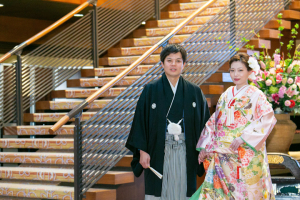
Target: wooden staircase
pixel 44 163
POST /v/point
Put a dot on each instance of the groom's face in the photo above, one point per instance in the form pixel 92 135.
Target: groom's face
pixel 173 64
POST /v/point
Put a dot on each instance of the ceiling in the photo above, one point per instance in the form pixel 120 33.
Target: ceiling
pixel 33 9
pixel 37 9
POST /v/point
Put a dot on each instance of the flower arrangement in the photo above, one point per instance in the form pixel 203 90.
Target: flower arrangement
pixel 279 78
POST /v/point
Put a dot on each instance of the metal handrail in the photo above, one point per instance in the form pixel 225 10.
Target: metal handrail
pixel 110 84
pixel 46 30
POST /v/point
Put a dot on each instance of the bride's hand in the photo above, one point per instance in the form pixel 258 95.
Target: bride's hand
pixel 202 156
pixel 236 143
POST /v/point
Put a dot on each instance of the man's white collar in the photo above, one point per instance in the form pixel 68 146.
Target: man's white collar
pixel 172 87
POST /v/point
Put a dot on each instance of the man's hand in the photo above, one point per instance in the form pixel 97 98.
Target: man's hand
pixel 202 156
pixel 236 143
pixel 144 159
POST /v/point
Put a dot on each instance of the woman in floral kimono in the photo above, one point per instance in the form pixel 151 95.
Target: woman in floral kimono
pixel 232 144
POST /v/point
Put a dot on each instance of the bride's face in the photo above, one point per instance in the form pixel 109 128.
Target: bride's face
pixel 239 73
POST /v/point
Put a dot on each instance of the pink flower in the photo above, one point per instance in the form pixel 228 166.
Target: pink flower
pixel 277 59
pixel 268 82
pixel 290 92
pixel 267 74
pixel 275 97
pixel 281 91
pixel 278 78
pixel 297 81
pixel 287 103
pixel 262 65
pixel 290 81
pixel 272 70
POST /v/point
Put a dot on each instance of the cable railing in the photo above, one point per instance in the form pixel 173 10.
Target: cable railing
pixel 99 142
pixel 87 177
pixel 52 63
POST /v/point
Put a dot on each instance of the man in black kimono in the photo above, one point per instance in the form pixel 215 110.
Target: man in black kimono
pixel 170 99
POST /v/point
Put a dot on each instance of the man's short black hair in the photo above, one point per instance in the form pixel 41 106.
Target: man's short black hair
pixel 172 48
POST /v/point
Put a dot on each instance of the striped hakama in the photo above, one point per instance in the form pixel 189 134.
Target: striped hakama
pixel 174 183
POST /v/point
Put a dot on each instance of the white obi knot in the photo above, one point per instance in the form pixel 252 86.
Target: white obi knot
pixel 174 129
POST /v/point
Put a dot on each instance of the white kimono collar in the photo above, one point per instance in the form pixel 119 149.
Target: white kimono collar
pixel 174 89
pixel 233 94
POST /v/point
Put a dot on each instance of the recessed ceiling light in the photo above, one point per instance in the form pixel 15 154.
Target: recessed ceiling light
pixel 78 15
pixel 143 23
pixel 1 5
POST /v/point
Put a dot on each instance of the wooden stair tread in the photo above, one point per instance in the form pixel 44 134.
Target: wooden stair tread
pixel 273 24
pixel 52 143
pixel 37 130
pixel 53 117
pixel 195 5
pixel 174 22
pixel 114 71
pixel 295 5
pixel 45 143
pixel 63 175
pixel 111 61
pixel 258 43
pixel 132 51
pixel 187 1
pixel 150 41
pixel 95 82
pixel 290 14
pixel 269 34
pixel 57 192
pixel 216 77
pixel 37 157
pixel 48 158
pixel 186 13
pixel 37 187
pixel 67 105
pixel 153 32
pixel 124 162
pixel 82 93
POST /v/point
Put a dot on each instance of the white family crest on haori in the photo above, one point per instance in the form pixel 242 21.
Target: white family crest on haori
pixel 153 106
pixel 194 104
pixel 253 64
pixel 174 129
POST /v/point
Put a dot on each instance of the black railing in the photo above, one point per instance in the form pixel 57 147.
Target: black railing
pixel 103 136
pixel 52 63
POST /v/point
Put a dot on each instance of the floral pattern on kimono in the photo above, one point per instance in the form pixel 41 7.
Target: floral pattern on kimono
pixel 243 174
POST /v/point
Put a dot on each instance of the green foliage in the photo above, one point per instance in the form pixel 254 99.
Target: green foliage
pixel 280 28
pixel 245 40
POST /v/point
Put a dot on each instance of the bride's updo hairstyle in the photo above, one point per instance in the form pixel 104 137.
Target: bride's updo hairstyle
pixel 243 58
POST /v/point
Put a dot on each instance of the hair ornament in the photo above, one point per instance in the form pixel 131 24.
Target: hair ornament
pixel 253 64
